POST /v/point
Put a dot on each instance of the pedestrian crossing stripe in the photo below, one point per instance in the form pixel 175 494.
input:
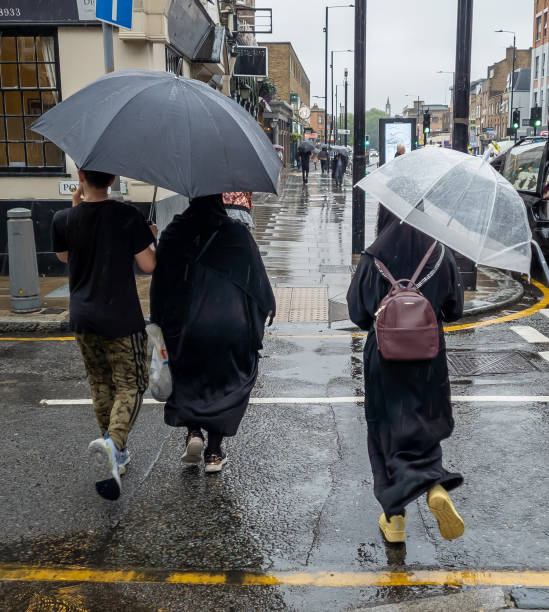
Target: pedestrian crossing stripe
pixel 358 399
pixel 477 578
pixel 530 334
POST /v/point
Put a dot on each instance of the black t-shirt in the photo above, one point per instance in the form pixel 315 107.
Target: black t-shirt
pixel 102 239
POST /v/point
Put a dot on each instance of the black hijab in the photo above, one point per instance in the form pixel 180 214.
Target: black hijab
pixel 205 234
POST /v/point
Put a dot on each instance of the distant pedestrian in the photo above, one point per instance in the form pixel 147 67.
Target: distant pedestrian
pixel 305 159
pixel 408 408
pixel 324 158
pixel 340 165
pixel 211 296
pixel 239 206
pixel 280 154
pixel 401 149
pixel 314 158
pixel 100 239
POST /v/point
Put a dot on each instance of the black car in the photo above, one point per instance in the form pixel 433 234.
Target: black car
pixel 526 167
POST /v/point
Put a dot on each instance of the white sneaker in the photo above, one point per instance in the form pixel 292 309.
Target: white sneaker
pixel 104 465
pixel 123 459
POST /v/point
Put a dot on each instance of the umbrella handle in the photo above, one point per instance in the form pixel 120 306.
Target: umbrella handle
pixel 153 205
pixel 542 261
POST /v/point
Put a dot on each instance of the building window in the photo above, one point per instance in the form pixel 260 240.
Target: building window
pixel 536 69
pixel 541 99
pixel 319 119
pixel 545 23
pixel 538 27
pixel 29 86
pixel 543 65
pixel 535 98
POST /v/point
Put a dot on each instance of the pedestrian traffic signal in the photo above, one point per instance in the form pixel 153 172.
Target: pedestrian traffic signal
pixel 516 119
pixel 367 141
pixel 415 144
pixel 426 122
pixel 535 116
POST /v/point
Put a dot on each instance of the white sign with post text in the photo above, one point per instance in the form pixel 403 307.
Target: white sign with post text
pixel 69 187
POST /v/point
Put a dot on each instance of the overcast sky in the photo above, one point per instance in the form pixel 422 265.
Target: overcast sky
pixel 407 42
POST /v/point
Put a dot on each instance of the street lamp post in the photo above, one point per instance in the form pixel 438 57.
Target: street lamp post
pixel 326 58
pixel 512 75
pixel 332 75
pixel 346 87
pixel 359 157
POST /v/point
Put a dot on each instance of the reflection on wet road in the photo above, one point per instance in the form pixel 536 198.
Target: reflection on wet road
pixel 291 524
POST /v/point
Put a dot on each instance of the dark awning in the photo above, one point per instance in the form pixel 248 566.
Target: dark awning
pixel 193 33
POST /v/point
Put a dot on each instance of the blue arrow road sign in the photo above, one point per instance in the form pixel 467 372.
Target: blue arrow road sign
pixel 116 12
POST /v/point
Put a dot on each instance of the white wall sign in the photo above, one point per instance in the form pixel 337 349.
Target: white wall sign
pixel 69 187
pixel 86 10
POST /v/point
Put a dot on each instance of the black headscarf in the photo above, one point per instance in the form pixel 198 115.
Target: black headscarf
pixel 205 233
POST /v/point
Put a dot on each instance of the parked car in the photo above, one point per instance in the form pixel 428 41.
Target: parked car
pixel 526 166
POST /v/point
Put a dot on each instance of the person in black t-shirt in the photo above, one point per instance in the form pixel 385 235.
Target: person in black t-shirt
pixel 100 239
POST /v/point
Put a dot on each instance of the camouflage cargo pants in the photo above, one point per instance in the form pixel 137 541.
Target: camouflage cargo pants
pixel 118 375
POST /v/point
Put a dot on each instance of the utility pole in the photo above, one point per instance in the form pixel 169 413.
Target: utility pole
pixel 513 82
pixel 332 94
pixel 359 160
pixel 460 140
pixel 108 54
pixel 346 87
pixel 326 76
pixel 460 136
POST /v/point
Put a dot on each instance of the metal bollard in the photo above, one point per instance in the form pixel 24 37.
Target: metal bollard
pixel 24 283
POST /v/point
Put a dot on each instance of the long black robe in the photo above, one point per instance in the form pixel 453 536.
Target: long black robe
pixel 211 296
pixel 408 408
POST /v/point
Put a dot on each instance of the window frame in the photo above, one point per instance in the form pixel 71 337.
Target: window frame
pixel 31 31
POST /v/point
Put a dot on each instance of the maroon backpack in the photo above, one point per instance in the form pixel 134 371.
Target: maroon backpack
pixel 405 323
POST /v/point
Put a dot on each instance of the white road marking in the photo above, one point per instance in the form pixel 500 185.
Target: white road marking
pixel 529 333
pixel 544 312
pixel 463 399
pixel 544 354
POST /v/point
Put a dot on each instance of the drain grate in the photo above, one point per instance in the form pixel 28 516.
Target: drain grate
pixel 468 363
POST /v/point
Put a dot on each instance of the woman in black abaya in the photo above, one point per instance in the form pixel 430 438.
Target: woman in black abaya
pixel 408 408
pixel 211 296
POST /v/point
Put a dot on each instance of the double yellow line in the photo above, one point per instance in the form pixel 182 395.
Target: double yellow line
pixel 478 578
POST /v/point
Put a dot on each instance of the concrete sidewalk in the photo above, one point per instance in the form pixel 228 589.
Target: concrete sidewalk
pixel 304 237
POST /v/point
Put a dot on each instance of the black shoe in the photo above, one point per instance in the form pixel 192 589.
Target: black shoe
pixel 214 462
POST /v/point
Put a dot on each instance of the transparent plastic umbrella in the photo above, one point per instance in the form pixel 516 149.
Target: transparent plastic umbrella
pixel 460 200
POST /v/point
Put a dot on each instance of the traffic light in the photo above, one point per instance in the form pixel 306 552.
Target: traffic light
pixel 426 122
pixel 535 116
pixel 415 143
pixel 367 141
pixel 516 119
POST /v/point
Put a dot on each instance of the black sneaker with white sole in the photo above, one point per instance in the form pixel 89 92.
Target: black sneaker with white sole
pixel 104 466
pixel 214 462
pixel 194 448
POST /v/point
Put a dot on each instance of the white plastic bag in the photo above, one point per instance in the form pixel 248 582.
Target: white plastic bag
pixel 160 378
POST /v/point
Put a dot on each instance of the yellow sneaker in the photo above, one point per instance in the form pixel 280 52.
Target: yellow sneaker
pixel 451 525
pixel 393 530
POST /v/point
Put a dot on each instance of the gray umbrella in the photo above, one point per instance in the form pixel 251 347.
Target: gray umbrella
pixel 169 131
pixel 306 146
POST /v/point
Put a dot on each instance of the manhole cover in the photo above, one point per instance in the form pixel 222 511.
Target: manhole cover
pixel 468 363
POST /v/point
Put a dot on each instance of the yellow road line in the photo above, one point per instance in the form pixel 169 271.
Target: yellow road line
pixel 527 312
pixel 479 578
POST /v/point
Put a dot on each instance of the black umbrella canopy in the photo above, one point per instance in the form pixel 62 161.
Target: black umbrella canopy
pixel 306 146
pixel 169 131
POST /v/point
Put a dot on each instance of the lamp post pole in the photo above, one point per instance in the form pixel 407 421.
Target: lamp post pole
pixel 332 75
pixel 346 87
pixel 326 61
pixel 359 159
pixel 460 140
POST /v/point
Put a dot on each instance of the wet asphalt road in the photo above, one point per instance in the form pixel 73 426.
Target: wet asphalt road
pixel 296 494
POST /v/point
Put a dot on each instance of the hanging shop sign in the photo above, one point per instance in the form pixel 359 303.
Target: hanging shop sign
pixel 251 62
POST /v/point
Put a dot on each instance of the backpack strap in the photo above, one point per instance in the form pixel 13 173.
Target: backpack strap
pixel 384 271
pixel 422 264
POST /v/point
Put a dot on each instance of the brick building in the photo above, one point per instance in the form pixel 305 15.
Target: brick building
pixel 317 121
pixel 539 89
